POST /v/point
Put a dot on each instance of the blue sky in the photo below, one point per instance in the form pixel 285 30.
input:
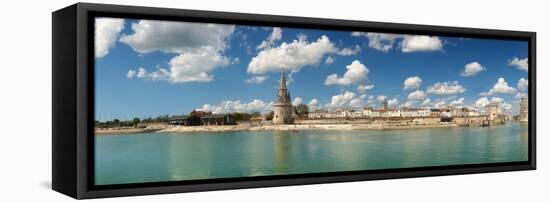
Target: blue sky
pixel 149 68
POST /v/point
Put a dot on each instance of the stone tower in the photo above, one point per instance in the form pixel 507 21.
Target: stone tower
pixel 385 103
pixel 282 109
pixel 492 111
pixel 524 109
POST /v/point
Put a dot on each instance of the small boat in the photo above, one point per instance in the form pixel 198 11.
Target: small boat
pixel 295 131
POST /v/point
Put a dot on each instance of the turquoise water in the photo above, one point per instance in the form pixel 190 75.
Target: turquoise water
pixel 157 157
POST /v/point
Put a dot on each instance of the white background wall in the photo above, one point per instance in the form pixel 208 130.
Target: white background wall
pixel 25 96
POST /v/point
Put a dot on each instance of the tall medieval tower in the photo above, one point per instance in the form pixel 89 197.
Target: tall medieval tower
pixel 282 109
pixel 492 111
pixel 524 109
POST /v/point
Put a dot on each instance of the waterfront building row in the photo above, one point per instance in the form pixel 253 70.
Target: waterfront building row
pixel 402 112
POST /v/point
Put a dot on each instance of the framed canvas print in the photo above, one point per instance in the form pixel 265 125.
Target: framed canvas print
pixel 153 100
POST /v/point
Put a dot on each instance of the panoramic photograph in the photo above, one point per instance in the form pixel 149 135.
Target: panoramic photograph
pixel 179 101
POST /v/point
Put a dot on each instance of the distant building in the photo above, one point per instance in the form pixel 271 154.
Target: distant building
pixel 185 120
pixel 435 112
pixel 404 112
pixel 392 113
pixel 356 114
pixel 218 119
pixel 413 112
pixel 447 113
pixel 462 111
pixel 199 113
pixel 282 109
pixel 369 112
pixel 524 109
pixel 317 114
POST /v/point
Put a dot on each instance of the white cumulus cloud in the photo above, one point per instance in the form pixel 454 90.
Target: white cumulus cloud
pixel 158 75
pixel 409 43
pixel 393 102
pixel 363 88
pixel 481 102
pixel 276 35
pixel 458 102
pixel 522 64
pixel 417 95
pixel 176 37
pixel 426 102
pixel 349 51
pixel 230 106
pixel 523 84
pixel 412 82
pixel 505 108
pixel 446 88
pixel 313 104
pixel 131 74
pixel 291 56
pixel 341 100
pixel 381 98
pixel 421 43
pixel 329 60
pixel 297 101
pixel 199 47
pixel 472 69
pixel 196 66
pixel 497 100
pixel 410 103
pixel 519 95
pixel 256 79
pixel 379 41
pixel 107 31
pixel 439 104
pixel 500 87
pixel 295 55
pixel 346 99
pixel 356 72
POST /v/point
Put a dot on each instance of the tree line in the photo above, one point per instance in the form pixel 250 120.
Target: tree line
pixel 301 110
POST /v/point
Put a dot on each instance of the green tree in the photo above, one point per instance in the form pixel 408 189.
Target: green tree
pixel 115 123
pixel 241 116
pixel 302 109
pixel 162 118
pixel 147 120
pixel 136 121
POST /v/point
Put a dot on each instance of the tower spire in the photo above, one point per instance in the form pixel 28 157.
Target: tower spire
pixel 282 85
pixel 282 109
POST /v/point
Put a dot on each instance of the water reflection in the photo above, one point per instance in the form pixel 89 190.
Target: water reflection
pixel 281 147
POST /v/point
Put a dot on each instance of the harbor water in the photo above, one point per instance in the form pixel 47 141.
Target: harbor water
pixel 160 157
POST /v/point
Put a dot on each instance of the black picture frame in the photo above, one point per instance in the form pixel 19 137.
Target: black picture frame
pixel 73 100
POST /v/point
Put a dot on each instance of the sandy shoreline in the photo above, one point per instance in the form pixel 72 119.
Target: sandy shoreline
pixel 297 127
pixel 235 128
pixel 114 131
